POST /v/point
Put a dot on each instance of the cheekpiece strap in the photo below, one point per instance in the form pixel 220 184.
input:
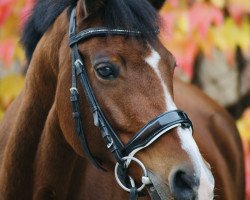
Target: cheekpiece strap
pixel 77 113
pixel 79 70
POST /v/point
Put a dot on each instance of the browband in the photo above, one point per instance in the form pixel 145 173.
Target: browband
pixel 95 32
pixel 98 32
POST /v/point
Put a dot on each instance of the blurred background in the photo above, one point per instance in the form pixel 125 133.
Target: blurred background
pixel 209 38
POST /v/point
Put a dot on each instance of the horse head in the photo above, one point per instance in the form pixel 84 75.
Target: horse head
pixel 129 76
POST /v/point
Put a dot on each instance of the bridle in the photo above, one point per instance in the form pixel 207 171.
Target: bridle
pixel 123 153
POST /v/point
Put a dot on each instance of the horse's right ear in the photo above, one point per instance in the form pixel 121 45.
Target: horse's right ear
pixel 88 7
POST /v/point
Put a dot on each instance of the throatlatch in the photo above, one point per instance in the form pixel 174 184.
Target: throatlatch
pixel 160 125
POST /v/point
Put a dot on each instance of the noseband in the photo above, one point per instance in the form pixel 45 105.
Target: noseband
pixel 123 153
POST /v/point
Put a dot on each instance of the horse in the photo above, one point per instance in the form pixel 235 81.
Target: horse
pixel 99 106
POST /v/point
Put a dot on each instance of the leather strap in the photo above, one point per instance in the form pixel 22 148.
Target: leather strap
pixel 100 32
pixel 133 195
pixel 77 117
pixel 113 143
pixel 156 190
pixel 152 129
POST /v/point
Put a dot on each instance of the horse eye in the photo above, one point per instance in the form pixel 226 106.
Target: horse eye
pixel 107 71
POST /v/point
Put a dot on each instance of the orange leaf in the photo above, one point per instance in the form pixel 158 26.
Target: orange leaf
pixel 7 48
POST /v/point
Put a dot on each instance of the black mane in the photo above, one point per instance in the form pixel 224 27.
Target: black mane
pixel 42 17
pixel 126 14
pixel 132 15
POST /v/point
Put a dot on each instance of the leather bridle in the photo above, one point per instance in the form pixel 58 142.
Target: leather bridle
pixel 160 125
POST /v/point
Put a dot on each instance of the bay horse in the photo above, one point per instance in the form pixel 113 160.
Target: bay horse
pixel 111 70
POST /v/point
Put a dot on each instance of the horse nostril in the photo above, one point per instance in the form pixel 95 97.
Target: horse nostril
pixel 184 186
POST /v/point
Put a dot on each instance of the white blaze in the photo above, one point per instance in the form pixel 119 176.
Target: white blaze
pixel 188 144
pixel 153 60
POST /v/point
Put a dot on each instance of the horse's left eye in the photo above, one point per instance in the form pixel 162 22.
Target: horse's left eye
pixel 107 71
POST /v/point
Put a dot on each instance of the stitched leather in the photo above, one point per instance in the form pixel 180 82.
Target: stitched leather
pixel 100 32
pixel 154 127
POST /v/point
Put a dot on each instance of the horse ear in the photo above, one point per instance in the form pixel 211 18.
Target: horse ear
pixel 90 6
pixel 157 4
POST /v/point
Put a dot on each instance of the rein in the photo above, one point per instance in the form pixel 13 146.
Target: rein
pixel 123 153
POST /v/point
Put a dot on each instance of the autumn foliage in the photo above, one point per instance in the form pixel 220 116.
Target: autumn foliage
pixel 189 27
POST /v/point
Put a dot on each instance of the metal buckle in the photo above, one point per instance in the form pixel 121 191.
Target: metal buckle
pixel 72 89
pixel 145 179
pixel 110 143
pixel 78 62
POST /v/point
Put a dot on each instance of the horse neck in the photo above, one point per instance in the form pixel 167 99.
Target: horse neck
pixel 38 96
pixel 54 163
